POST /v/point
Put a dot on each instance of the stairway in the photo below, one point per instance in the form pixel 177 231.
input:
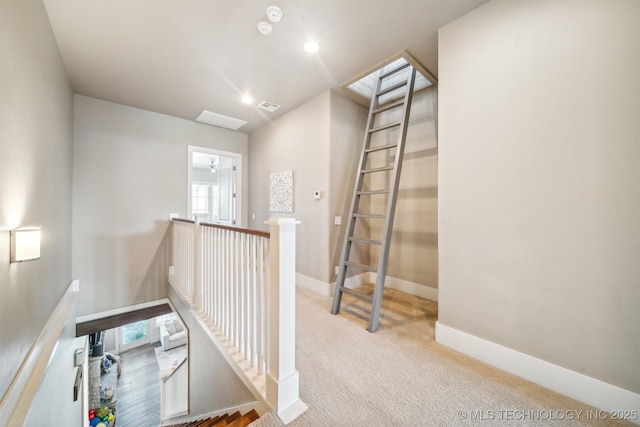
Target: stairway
pixel 393 93
pixel 230 420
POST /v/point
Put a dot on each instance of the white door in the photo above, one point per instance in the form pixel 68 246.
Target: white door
pixel 227 194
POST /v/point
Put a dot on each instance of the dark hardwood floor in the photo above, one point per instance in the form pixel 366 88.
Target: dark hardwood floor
pixel 138 389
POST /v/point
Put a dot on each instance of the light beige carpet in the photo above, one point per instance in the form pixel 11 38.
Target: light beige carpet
pixel 399 376
pixel 172 357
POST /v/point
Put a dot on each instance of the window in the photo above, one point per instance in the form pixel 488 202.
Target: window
pixel 134 332
pixel 200 199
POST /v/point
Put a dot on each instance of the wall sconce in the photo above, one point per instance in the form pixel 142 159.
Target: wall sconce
pixel 25 244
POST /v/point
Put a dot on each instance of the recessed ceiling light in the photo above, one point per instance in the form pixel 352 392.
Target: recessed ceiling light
pixel 247 99
pixel 264 27
pixel 274 13
pixel 311 47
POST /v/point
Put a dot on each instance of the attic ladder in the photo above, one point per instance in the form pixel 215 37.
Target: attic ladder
pixel 385 85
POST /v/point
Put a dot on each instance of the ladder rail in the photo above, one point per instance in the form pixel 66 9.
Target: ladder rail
pixel 383 256
pixel 392 191
pixel 355 203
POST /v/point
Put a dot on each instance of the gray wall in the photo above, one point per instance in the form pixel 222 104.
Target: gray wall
pixel 36 114
pixel 540 182
pixel 130 172
pixel 213 385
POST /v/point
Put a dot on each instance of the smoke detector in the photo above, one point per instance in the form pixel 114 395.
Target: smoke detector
pixel 268 106
pixel 264 27
pixel 274 13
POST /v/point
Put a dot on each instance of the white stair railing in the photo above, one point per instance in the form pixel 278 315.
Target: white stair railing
pixel 241 282
pixel 233 287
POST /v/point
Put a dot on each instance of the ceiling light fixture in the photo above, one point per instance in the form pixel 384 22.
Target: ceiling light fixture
pixel 264 27
pixel 247 99
pixel 311 46
pixel 274 13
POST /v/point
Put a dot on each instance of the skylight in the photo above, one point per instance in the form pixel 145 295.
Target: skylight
pixel 366 85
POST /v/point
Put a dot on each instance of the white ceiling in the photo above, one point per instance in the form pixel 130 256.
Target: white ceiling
pixel 180 57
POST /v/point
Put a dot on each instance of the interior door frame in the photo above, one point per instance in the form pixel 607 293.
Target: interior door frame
pixel 238 178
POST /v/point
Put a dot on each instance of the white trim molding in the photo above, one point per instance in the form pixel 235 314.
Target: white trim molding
pixel 314 284
pixel 564 381
pixel 328 289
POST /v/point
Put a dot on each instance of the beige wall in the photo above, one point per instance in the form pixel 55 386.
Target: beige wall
pixel 320 141
pixel 297 141
pixel 129 172
pixel 333 128
pixel 348 122
pixel 413 255
pixel 36 114
pixel 540 182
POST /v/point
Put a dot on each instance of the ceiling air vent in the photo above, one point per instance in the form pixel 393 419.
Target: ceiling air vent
pixel 219 120
pixel 268 106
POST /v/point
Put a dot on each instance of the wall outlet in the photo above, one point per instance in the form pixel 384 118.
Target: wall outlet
pixel 337 270
pixel 173 215
pixel 317 195
pixel 253 216
pixel 337 220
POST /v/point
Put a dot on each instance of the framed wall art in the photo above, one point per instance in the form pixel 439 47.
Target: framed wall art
pixel 281 192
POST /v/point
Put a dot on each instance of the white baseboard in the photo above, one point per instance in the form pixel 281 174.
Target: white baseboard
pixel 408 287
pixel 327 289
pixel 564 381
pixel 354 281
pixel 314 284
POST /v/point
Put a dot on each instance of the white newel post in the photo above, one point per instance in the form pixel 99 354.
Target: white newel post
pixel 197 265
pixel 282 378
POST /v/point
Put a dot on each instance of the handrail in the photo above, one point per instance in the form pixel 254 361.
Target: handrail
pixel 183 220
pixel 17 401
pixel 175 391
pixel 250 231
pixel 184 361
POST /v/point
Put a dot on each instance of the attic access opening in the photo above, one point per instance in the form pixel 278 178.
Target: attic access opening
pixel 362 87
